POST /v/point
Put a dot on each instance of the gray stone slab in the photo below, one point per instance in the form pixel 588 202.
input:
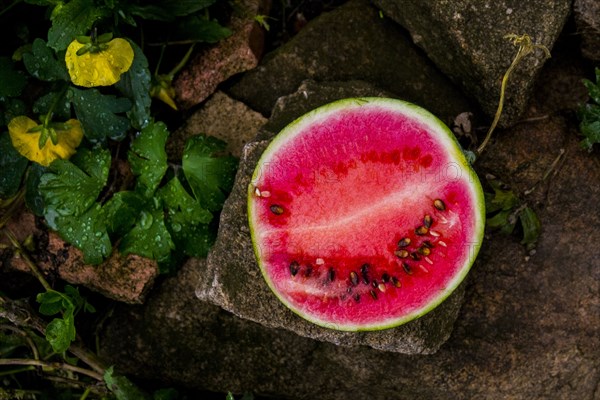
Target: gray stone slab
pixel 233 279
pixel 352 43
pixel 466 41
pixel 587 18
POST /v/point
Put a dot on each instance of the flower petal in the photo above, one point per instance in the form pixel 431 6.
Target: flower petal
pixel 102 68
pixel 27 143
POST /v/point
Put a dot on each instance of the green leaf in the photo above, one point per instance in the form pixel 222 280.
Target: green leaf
pixel 135 85
pixel 589 114
pixel 199 29
pixel 148 158
pixel 122 211
pixel 12 81
pixel 167 10
pixel 186 220
pixel 12 165
pixel 10 108
pixel 43 64
pixel 61 110
pixel 532 228
pixel 58 334
pixel 88 232
pixel 123 388
pixel 73 19
pixel 149 237
pixel 98 114
pixel 33 196
pixel 51 302
pixel 165 394
pixel 71 187
pixel 209 174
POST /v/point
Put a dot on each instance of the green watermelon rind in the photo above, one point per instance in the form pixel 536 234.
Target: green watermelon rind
pixel 449 142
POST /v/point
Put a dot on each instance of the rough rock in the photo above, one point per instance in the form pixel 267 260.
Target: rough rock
pixel 465 40
pixel 123 278
pixel 587 18
pixel 238 53
pixel 223 117
pixel 232 271
pixel 351 43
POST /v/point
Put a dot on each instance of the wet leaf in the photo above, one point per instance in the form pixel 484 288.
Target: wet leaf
pixel 149 237
pixel 98 114
pixel 73 19
pixel 43 64
pixel 12 81
pixel 209 172
pixel 12 165
pixel 186 220
pixel 88 232
pixel 148 158
pixel 122 211
pixel 58 334
pixel 135 85
pixel 61 111
pixel 33 196
pixel 71 187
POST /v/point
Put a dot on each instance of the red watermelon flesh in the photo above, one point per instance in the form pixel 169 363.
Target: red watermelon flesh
pixel 364 214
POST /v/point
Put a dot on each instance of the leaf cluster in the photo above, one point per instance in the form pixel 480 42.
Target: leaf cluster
pixel 154 218
pixel 505 211
pixel 589 114
pixel 60 332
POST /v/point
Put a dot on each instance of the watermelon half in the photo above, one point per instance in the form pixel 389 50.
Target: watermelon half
pixel 365 214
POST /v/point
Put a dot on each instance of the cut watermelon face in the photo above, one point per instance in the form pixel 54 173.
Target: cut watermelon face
pixel 364 214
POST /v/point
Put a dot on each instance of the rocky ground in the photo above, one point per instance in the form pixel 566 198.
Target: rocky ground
pixel 526 323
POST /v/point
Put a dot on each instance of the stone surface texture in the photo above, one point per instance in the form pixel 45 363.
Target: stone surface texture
pixel 587 18
pixel 123 278
pixel 232 271
pixel 465 39
pixel 238 53
pixel 223 117
pixel 352 43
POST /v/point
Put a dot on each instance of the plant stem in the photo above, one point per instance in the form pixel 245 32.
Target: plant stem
pixel 525 47
pixel 34 269
pixel 14 3
pixel 55 365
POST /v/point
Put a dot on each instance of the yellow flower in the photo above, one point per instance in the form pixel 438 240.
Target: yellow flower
pixel 163 90
pixel 101 66
pixel 27 142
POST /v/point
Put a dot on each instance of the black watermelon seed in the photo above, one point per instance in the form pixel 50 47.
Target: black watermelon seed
pixel 415 256
pixel 427 221
pixel 406 268
pixel 374 283
pixel 396 282
pixel 385 277
pixel 439 204
pixel 294 268
pixel 404 242
pixel 276 209
pixel 331 274
pixel 364 271
pixel 353 278
pixel 373 294
pixel 428 244
pixel 357 297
